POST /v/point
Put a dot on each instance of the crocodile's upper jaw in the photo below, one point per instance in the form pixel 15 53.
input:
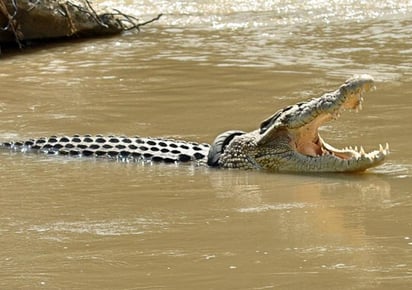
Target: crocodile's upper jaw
pixel 289 140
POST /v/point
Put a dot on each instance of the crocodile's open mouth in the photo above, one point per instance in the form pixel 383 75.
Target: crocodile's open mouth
pixel 307 140
pixel 299 124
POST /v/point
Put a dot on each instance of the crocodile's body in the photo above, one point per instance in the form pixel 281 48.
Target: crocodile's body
pixel 287 141
pixel 122 148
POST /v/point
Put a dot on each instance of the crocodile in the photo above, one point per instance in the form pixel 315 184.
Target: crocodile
pixel 289 140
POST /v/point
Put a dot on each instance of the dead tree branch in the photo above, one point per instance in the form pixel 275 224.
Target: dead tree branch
pixel 22 20
pixel 12 24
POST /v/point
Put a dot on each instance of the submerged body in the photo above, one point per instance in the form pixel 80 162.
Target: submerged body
pixel 287 141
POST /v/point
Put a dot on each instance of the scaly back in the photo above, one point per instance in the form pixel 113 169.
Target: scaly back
pixel 115 147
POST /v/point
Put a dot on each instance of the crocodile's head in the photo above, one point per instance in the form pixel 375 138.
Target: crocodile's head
pixel 290 140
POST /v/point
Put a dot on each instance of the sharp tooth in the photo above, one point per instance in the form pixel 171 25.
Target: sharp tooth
pixel 356 148
pixel 380 148
pixel 387 148
pixel 362 151
pixel 360 106
pixel 336 115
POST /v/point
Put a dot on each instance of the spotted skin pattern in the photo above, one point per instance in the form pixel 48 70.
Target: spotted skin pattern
pixel 115 147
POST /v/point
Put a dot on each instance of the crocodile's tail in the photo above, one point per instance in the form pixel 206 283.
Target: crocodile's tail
pixel 115 147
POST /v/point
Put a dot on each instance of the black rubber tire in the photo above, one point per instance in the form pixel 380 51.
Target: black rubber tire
pixel 218 146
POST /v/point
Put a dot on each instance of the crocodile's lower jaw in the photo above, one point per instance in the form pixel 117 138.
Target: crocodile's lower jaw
pixel 354 101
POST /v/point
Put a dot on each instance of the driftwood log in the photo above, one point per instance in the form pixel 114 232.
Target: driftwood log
pixel 23 20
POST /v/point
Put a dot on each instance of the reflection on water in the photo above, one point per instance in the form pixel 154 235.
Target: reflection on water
pixel 207 67
pixel 252 191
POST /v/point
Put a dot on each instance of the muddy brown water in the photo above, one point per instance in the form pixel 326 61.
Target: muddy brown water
pixel 207 67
